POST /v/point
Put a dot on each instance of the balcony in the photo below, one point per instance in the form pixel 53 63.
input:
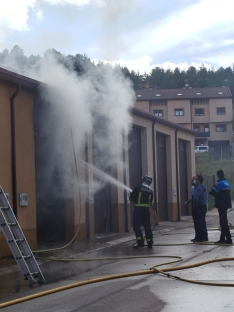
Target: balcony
pixel 202 134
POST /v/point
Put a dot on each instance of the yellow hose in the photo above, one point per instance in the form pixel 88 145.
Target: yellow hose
pixel 123 275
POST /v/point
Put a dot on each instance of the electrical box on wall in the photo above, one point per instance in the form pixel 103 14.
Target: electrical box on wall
pixel 23 199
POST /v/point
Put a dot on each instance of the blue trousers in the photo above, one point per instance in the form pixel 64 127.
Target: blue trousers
pixel 225 231
pixel 199 216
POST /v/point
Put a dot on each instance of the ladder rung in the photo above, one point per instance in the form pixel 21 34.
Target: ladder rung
pixel 5 207
pixel 19 240
pixel 12 223
pixel 26 257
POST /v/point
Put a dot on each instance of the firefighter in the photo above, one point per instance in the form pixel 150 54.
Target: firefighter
pixel 142 196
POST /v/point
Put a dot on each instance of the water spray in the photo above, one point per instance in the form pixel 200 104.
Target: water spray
pixel 105 176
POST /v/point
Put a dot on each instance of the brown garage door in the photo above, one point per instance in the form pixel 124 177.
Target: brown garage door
pixel 183 177
pixel 135 160
pixel 162 177
pixel 101 159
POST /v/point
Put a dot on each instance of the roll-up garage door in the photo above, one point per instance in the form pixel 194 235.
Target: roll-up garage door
pixel 135 160
pixel 162 177
pixel 183 177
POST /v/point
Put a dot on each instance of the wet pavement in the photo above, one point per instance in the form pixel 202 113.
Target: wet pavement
pixel 13 286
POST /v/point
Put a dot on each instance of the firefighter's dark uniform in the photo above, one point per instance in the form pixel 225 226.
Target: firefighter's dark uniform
pixel 142 196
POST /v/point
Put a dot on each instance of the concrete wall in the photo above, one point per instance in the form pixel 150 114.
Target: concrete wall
pixel 216 136
pixel 176 104
pixel 214 104
pixel 201 119
pixel 25 160
pixel 147 157
pixel 143 105
pixel 159 106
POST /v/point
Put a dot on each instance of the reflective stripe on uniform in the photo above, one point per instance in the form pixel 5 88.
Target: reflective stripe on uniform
pixel 139 201
pixel 139 198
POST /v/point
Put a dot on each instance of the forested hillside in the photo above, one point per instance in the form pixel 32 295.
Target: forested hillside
pixel 157 78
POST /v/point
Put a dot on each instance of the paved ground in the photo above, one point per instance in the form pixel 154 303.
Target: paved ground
pixel 8 265
pixel 12 285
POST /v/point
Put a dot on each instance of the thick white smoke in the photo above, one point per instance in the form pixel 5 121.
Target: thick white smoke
pixel 75 100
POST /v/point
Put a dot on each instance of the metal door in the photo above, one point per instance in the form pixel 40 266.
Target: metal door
pixel 183 177
pixel 51 193
pixel 101 161
pixel 135 160
pixel 162 177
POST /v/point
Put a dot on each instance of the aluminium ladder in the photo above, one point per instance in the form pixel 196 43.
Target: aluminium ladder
pixel 18 243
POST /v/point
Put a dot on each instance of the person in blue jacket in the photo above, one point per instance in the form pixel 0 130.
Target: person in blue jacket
pixel 200 200
pixel 142 196
pixel 221 193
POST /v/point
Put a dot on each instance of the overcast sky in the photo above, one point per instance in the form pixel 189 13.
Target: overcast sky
pixel 140 34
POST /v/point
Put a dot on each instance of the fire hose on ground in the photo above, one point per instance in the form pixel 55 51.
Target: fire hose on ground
pixel 152 270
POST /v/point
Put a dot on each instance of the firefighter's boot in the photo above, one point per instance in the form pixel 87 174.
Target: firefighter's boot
pixel 150 243
pixel 140 243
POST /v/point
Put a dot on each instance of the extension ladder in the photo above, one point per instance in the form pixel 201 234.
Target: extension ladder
pixel 18 243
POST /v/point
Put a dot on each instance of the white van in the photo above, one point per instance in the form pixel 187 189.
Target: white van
pixel 201 149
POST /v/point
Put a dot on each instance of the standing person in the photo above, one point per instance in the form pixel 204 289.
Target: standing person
pixel 200 200
pixel 221 193
pixel 142 196
pixel 193 183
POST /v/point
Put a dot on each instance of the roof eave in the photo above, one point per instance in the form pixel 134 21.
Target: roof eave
pixel 160 120
pixel 14 78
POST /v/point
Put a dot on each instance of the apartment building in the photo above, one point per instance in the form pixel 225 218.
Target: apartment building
pixel 208 111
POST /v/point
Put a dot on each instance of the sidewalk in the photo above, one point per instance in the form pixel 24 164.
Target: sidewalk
pixel 105 240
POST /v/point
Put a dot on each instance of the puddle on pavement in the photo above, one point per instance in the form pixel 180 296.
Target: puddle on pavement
pixel 11 284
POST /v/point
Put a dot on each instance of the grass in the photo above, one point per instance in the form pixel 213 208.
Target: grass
pixel 208 166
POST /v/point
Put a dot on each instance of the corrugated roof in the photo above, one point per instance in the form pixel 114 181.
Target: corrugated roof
pixel 188 93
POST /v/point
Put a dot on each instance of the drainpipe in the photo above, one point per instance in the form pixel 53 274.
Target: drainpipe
pixel 13 150
pixel 125 181
pixel 154 169
pixel 191 114
pixel 177 175
pixel 87 216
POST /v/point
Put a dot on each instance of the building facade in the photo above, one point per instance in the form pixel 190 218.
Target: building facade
pixel 208 111
pixel 17 155
pixel 61 210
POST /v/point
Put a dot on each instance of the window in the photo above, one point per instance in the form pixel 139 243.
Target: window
pixel 221 111
pixel 158 112
pixel 179 112
pixel 199 111
pixel 196 128
pixel 220 128
pixel 206 128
